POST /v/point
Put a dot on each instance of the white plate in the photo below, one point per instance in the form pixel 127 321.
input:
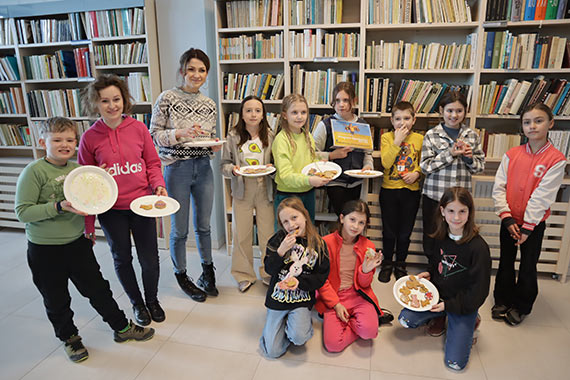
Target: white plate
pixel 90 189
pixel 421 296
pixel 357 173
pixel 204 143
pixel 172 206
pixel 268 170
pixel 323 166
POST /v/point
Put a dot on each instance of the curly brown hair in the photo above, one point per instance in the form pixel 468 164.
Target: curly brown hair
pixel 91 96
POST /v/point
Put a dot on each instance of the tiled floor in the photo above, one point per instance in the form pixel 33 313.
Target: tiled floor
pixel 218 339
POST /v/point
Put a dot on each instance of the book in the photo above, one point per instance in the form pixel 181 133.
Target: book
pixel 352 134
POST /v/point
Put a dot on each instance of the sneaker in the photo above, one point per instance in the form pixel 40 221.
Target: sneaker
pixel 156 312
pixel 141 314
pixel 266 280
pixel 189 288
pixel 243 286
pixel 499 312
pixel 207 280
pixel 476 330
pixel 436 326
pixel 75 350
pixel 514 317
pixel 385 273
pixel 386 317
pixel 134 332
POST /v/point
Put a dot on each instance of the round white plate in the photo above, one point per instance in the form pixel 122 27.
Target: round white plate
pixel 204 143
pixel 323 166
pixel 172 206
pixel 90 189
pixel 268 170
pixel 357 173
pixel 421 296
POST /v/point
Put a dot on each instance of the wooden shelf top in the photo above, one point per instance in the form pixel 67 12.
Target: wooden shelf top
pixel 119 38
pixel 352 25
pixel 256 60
pixel 13 115
pixel 253 29
pixel 525 24
pixel 325 59
pixel 525 71
pixel 60 80
pixel 125 66
pixel 419 71
pixel 55 44
pixel 442 25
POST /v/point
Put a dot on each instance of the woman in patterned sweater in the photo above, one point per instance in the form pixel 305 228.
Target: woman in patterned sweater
pixel 179 115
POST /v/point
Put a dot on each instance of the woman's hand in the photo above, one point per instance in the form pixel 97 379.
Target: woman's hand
pixel 186 133
pixel 161 190
pixel 286 244
pixel 425 275
pixel 370 263
pixel 438 307
pixel 341 312
pixel 216 148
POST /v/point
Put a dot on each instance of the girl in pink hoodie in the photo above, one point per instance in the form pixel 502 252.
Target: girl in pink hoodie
pixel 123 146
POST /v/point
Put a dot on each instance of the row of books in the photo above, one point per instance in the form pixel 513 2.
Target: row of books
pixel 407 55
pixel 272 118
pixel 420 11
pixel 250 13
pixel 121 54
pixel 503 50
pixel 514 95
pixel 322 205
pixel 561 141
pixel 495 145
pixel 9 68
pixel 82 126
pixel 62 64
pixel 317 86
pixel 265 86
pixel 315 119
pixel 6 31
pixel 252 47
pixel 12 101
pixel 139 86
pixel 50 103
pixel 114 23
pixel 307 12
pixel 15 135
pixel 43 31
pixel 526 10
pixel 316 43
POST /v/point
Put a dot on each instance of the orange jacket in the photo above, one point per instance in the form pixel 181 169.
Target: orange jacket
pixel 327 295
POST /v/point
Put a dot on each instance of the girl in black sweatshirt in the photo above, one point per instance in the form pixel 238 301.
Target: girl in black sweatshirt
pixel 461 270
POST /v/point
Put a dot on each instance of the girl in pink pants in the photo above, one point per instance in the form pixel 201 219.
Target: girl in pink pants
pixel 349 306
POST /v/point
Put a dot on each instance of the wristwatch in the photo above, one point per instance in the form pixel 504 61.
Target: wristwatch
pixel 58 208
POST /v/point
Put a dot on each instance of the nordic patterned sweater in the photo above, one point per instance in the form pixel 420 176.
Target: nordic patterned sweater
pixel 177 109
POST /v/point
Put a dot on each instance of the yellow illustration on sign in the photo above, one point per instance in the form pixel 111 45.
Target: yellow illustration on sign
pixel 355 135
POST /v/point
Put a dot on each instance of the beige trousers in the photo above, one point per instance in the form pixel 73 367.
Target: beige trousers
pixel 255 198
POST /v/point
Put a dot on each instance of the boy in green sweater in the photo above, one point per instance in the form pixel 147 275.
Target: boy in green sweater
pixel 57 249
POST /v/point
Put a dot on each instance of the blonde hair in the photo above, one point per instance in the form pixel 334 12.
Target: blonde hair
pixel 57 125
pixel 288 101
pixel 314 241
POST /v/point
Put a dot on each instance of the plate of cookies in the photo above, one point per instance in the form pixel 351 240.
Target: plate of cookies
pixel 154 206
pixel 417 294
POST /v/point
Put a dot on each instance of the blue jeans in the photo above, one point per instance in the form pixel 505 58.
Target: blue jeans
pixel 190 180
pixel 459 336
pixel 308 199
pixel 283 327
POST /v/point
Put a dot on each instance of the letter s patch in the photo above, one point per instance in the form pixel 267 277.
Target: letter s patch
pixel 539 171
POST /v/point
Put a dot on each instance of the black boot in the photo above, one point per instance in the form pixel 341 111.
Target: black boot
pixel 385 272
pixel 189 288
pixel 400 269
pixel 207 280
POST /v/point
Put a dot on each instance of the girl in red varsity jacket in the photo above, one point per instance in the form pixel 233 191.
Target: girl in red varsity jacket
pixel 526 185
pixel 346 300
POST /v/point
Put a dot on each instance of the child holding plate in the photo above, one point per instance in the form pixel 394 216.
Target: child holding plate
pixel 461 272
pixel 293 149
pixel 123 146
pixel 57 249
pixel 344 188
pixel 247 144
pixel 400 151
pixel 349 306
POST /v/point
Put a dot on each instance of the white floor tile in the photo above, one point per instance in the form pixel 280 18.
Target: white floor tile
pixel 282 369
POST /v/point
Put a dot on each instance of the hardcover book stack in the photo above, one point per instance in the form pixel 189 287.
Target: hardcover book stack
pixel 265 86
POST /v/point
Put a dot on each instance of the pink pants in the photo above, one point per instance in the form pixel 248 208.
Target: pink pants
pixel 362 323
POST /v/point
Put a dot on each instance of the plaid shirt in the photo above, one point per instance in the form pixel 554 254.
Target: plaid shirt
pixel 442 170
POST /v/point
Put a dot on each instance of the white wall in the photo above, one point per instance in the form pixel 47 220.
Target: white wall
pixel 183 24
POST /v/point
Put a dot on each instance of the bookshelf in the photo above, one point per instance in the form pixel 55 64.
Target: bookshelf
pixel 457 40
pixel 54 57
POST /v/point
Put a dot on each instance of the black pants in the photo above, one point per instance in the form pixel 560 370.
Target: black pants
pixel 429 208
pixel 399 209
pixel 118 225
pixel 519 293
pixel 53 266
pixel 339 195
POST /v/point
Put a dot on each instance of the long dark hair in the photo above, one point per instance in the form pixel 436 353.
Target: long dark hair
pixel 263 125
pixel 356 205
pixel 463 196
